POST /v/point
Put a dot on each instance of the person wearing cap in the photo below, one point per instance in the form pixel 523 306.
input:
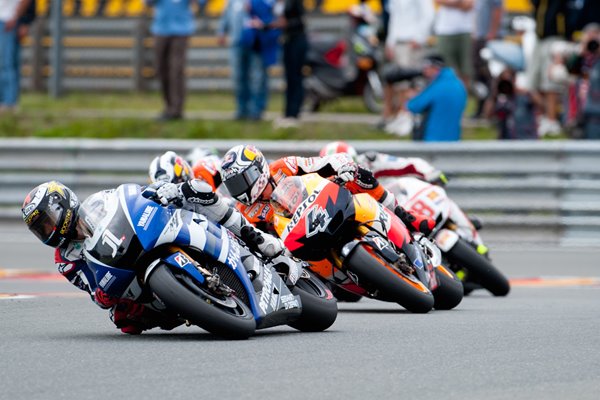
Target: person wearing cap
pixel 441 103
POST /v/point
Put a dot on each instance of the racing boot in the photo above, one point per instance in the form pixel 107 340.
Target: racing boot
pixel 289 266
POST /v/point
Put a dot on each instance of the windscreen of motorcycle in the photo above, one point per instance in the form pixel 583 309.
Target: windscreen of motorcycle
pixel 114 241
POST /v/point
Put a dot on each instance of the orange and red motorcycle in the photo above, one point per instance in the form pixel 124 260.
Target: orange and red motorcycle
pixel 360 246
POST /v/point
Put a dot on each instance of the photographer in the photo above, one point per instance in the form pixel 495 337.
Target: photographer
pixel 441 103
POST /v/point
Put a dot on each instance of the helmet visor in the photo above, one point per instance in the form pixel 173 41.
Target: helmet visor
pixel 241 183
pixel 46 224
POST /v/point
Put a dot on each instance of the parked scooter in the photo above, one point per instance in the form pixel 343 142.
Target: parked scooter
pixel 346 66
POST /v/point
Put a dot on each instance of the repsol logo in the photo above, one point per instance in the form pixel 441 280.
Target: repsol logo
pixel 300 210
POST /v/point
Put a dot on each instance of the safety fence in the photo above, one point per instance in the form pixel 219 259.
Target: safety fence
pixel 524 192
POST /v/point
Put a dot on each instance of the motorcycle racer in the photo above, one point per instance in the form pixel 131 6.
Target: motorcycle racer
pixel 201 164
pixel 250 180
pixel 385 165
pixel 53 213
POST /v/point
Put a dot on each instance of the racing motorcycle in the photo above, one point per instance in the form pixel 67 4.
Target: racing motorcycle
pixel 455 234
pixel 360 246
pixel 190 268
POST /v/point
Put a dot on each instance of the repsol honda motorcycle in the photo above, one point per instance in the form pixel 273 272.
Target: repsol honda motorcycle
pixel 184 265
pixel 455 234
pixel 345 67
pixel 357 244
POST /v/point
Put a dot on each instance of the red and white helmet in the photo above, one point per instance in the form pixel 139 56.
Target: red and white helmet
pixel 338 147
pixel 170 167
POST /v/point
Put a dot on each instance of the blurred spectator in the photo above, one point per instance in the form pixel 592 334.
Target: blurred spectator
pixel 550 16
pixel 512 108
pixel 385 19
pixel 442 103
pixel 172 27
pixel 488 17
pixel 10 13
pixel 242 60
pixel 23 27
pixel 454 25
pixel 259 42
pixel 409 28
pixel 295 47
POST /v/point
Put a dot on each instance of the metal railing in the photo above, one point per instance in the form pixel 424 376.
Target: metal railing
pixel 117 54
pixel 524 191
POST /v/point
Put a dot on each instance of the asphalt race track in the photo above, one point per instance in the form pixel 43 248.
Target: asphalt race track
pixel 540 342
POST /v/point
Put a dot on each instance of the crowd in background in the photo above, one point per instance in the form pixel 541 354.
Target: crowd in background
pixel 552 87
pixel 442 39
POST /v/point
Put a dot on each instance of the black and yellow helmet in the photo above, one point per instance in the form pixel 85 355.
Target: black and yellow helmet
pixel 50 212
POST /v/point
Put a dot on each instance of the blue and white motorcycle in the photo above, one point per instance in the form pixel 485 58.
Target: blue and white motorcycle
pixel 187 267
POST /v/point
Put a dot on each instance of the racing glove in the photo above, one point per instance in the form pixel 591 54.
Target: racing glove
pixel 415 222
pixel 437 178
pixel 169 193
pixel 343 165
pixel 261 242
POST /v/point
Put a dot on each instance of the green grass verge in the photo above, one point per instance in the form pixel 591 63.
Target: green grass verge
pixel 42 116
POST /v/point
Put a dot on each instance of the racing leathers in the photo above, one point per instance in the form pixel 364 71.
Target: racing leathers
pixel 385 165
pixel 195 195
pixel 357 180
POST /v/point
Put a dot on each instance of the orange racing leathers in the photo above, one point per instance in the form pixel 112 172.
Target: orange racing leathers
pixel 260 213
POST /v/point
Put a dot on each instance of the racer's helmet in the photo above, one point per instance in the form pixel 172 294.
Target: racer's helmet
pixel 50 212
pixel 338 147
pixel 170 167
pixel 206 165
pixel 245 173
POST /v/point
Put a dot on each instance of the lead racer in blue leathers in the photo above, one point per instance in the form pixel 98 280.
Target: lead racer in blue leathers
pixel 54 215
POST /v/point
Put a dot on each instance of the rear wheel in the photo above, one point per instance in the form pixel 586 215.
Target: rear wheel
pixel 223 315
pixel 480 269
pixel 375 274
pixel 319 307
pixel 449 292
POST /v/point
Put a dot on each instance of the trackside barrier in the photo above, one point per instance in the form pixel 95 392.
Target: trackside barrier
pixel 118 53
pixel 524 191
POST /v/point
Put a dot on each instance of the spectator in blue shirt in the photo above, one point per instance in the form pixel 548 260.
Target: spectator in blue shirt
pixel 441 103
pixel 172 26
pixel 241 61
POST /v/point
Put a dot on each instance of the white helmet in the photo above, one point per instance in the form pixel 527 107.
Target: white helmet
pixel 170 167
pixel 245 173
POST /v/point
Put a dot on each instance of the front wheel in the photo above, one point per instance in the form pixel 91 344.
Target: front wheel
pixel 480 269
pixel 449 292
pixel 375 274
pixel 223 315
pixel 319 307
